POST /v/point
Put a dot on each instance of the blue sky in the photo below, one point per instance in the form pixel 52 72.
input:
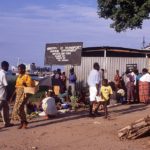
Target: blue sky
pixel 27 25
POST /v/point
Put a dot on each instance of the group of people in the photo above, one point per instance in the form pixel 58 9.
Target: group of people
pixel 131 87
pixel 136 85
pixel 23 80
pixel 61 88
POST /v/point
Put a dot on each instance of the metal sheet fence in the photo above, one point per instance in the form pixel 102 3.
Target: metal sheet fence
pixel 109 64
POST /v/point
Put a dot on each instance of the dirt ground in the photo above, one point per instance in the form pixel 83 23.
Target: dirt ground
pixel 76 130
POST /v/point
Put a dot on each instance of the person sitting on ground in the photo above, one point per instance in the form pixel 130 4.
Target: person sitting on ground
pixel 105 93
pixel 48 105
pixel 63 96
pixel 121 96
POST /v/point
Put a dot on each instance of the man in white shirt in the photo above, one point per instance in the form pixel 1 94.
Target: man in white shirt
pixel 4 108
pixel 93 82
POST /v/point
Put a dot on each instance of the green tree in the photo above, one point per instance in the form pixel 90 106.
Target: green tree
pixel 125 14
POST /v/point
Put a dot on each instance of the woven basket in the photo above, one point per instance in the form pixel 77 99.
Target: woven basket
pixel 32 90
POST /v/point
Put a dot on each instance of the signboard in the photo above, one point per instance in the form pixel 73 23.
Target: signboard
pixel 131 67
pixel 63 53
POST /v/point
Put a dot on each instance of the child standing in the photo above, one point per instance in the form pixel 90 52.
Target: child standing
pixel 105 93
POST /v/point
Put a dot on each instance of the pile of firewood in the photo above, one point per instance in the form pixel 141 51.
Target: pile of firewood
pixel 135 130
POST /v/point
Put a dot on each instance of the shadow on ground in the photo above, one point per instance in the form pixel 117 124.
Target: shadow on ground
pixel 117 110
pixel 60 118
pixel 131 108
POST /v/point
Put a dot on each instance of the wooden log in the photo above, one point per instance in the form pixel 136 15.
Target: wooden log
pixel 136 129
pixel 139 132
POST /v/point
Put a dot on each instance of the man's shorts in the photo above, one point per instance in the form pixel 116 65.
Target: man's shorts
pixel 93 93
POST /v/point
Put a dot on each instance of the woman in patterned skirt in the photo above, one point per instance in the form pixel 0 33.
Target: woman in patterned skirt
pixel 23 80
pixel 144 87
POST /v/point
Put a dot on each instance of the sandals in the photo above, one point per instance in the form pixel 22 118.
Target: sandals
pixel 23 125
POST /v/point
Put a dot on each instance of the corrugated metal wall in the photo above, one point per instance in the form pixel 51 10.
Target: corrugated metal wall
pixel 110 64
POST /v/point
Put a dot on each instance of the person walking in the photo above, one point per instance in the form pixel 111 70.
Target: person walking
pixel 105 93
pixel 23 80
pixel 4 107
pixel 93 82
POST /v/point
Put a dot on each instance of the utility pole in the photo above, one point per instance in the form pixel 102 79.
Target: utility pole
pixel 18 61
pixel 143 43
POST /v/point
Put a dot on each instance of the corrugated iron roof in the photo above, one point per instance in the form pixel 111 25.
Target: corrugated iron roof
pixel 114 51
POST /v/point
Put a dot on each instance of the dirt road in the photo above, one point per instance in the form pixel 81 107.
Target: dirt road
pixel 73 131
